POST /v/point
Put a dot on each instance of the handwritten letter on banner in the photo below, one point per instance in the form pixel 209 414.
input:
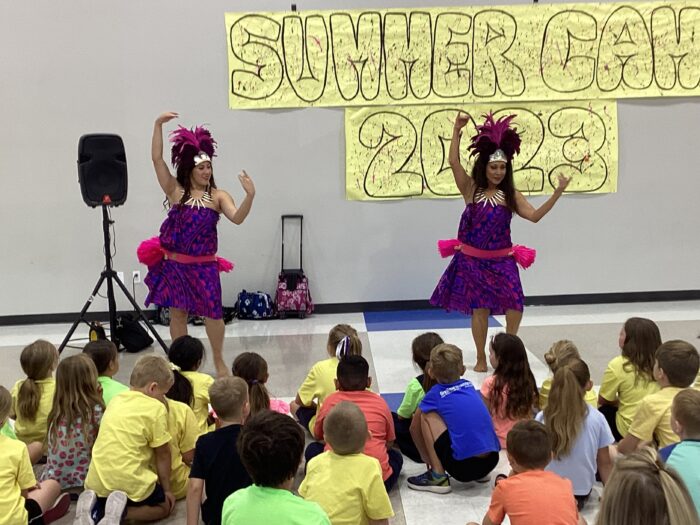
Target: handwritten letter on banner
pixel 470 54
pixel 401 151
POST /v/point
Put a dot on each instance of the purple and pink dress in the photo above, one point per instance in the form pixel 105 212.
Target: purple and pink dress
pixel 191 286
pixel 473 282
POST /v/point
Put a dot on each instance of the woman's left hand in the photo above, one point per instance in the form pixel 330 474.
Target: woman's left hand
pixel 247 183
pixel 563 183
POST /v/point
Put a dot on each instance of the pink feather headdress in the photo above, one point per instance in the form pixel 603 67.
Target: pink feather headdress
pixel 189 144
pixel 494 135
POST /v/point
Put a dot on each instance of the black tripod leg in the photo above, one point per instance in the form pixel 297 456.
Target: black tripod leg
pixel 142 316
pixel 82 313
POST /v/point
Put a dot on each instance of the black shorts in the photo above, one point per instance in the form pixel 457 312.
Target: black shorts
pixel 35 514
pixel 304 415
pixel 468 469
pixel 156 498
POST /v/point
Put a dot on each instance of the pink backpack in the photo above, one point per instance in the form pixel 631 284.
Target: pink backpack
pixel 293 294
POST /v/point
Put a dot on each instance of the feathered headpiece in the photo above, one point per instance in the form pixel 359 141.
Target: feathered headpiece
pixel 496 139
pixel 191 146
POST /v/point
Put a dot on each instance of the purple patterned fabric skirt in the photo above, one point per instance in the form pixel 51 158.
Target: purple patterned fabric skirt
pixel 470 282
pixel 195 288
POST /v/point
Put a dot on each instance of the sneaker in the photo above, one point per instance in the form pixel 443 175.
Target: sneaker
pixel 83 510
pixel 58 510
pixel 114 508
pixel 428 483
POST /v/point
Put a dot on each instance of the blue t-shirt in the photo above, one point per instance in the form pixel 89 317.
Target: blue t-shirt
pixel 684 457
pixel 467 419
pixel 580 465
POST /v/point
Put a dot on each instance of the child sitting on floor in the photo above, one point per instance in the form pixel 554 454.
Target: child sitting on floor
pixel 252 368
pixel 531 494
pixel 131 457
pixel 559 354
pixel 270 446
pixel 217 467
pixel 511 392
pixel 452 428
pixel 353 382
pixel 685 456
pixel 345 482
pixel 320 381
pixel 415 391
pixel 675 368
pixel 106 358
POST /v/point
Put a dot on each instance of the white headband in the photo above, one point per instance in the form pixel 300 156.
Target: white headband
pixel 201 157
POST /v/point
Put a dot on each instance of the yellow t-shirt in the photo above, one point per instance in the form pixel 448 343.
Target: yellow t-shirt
pixel 318 385
pixel 653 419
pixel 28 430
pixel 122 457
pixel 200 386
pixel 619 384
pixel 184 431
pixel 591 397
pixel 349 488
pixel 16 475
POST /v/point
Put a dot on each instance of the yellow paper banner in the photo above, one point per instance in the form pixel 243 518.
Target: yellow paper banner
pixel 401 152
pixel 470 54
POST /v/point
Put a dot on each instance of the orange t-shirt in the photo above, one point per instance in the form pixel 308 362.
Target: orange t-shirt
pixel 379 422
pixel 532 498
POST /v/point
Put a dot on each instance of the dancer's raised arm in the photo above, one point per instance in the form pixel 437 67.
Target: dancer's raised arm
pixel 462 179
pixel 167 182
pixel 532 214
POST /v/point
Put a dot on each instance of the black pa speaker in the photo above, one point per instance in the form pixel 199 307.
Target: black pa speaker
pixel 102 169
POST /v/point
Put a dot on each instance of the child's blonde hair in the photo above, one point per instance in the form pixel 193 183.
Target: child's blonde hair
pixel 560 353
pixel 77 395
pixel 641 490
pixel 38 361
pixel 5 405
pixel 227 396
pixel 446 363
pixel 252 368
pixel 567 409
pixel 151 368
pixel 345 428
pixel 686 410
pixel 343 341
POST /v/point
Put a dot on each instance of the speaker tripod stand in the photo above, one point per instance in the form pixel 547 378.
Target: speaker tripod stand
pixel 109 275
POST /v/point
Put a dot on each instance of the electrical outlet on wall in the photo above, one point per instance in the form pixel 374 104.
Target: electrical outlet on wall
pixel 136 277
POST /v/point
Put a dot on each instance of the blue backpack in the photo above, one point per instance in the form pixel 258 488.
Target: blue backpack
pixel 254 305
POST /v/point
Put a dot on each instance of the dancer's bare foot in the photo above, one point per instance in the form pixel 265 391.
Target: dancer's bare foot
pixel 221 369
pixel 480 366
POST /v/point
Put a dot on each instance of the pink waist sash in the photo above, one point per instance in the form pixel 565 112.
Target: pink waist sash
pixel 485 254
pixel 187 259
pixel 523 255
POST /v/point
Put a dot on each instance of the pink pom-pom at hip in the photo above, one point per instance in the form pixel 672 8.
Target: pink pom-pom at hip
pixel 523 255
pixel 224 264
pixel 150 252
pixel 448 247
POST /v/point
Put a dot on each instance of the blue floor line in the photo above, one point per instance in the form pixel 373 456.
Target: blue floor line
pixel 418 320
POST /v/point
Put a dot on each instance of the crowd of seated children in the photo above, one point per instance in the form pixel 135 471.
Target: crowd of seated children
pixel 415 391
pixel 531 494
pixel 675 368
pixel 511 392
pixel 629 377
pixel 452 428
pixel 345 482
pixel 353 384
pixel 217 469
pixel 252 368
pixel 320 381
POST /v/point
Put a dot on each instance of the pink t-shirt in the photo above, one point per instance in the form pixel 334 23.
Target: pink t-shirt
pixel 501 424
pixel 379 423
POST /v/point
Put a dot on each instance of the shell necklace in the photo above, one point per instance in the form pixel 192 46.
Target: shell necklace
pixel 494 200
pixel 199 202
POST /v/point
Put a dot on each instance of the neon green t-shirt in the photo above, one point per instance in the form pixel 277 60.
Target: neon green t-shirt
pixel 257 504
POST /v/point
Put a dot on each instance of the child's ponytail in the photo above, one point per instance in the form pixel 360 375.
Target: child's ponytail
pixel 252 368
pixel 567 409
pixel 181 390
pixel 344 341
pixel 37 361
